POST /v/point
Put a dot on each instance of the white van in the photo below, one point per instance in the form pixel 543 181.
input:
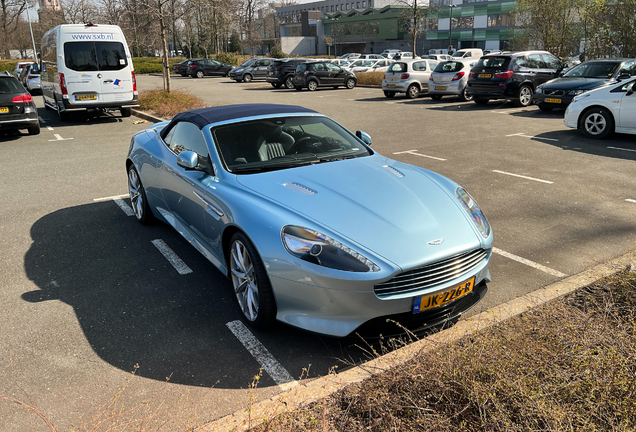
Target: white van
pixel 87 67
pixel 468 53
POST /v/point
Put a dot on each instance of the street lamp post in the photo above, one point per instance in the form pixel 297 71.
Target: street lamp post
pixel 35 54
pixel 450 27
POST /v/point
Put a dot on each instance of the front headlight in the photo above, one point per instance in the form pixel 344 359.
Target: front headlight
pixel 576 92
pixel 477 216
pixel 538 90
pixel 322 250
pixel 578 98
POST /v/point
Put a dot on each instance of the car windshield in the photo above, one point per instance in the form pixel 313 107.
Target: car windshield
pixel 594 70
pixel 449 66
pixel 369 63
pixel 281 143
pixel 247 63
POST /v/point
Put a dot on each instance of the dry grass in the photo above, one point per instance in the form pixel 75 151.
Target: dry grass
pixel 167 105
pixel 568 366
pixel 370 78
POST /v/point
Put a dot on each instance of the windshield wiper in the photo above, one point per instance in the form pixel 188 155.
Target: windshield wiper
pixel 336 158
pixel 246 169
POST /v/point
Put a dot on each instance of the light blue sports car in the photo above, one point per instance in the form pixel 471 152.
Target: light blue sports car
pixel 312 226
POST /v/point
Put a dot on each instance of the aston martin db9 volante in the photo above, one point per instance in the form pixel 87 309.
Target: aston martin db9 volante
pixel 312 227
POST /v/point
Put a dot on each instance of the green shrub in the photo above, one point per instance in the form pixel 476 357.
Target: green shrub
pixel 7 65
pixel 229 58
pixel 146 65
pixel 277 53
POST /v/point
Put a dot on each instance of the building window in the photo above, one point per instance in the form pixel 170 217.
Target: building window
pixel 331 8
pixel 499 20
pixel 364 4
pixel 357 5
pixel 336 8
pixel 433 24
pixel 464 22
pixel 370 3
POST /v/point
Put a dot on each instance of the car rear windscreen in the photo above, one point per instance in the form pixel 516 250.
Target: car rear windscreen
pixel 95 56
pixel 10 85
pixel 493 62
pixel 449 66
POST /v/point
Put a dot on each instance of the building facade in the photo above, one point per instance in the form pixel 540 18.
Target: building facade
pixel 474 24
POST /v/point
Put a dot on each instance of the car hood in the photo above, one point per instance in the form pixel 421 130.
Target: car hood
pixel 566 83
pixel 390 208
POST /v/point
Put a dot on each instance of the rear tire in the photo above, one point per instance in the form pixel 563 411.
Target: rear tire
pixel 389 94
pixel 200 74
pixel 35 130
pixel 138 200
pixel 412 92
pixel 247 78
pixel 597 123
pixel 312 85
pixel 481 101
pixel 126 111
pixel 524 97
pixel 289 82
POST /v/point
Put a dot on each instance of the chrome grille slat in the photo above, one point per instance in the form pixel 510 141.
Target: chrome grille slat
pixel 433 274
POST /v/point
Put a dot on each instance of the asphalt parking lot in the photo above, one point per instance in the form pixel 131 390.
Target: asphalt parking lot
pixel 87 293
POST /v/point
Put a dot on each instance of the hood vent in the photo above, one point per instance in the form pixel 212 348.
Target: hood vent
pixel 393 171
pixel 300 188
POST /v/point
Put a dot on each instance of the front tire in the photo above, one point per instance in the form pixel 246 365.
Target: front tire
pixel 436 97
pixel 524 97
pixel 289 82
pixel 200 74
pixel 351 83
pixel 312 85
pixel 138 200
pixel 413 91
pixel 465 97
pixel 247 78
pixel 250 282
pixel 597 123
pixel 545 108
pixel 481 101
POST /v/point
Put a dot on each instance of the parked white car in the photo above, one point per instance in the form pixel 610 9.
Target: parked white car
pixel 370 57
pixel 600 112
pixel 350 56
pixel 372 66
pixel 341 62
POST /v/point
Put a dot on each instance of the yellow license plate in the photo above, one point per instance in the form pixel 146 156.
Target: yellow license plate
pixel 441 298
pixel 298 77
pixel 484 76
pixel 4 109
pixel 391 86
pixel 550 100
pixel 440 88
pixel 85 97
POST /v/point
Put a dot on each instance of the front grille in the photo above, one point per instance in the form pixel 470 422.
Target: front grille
pixel 554 92
pixel 432 274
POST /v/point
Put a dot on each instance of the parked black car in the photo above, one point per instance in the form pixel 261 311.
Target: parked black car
pixel 512 76
pixel 181 68
pixel 322 74
pixel 254 68
pixel 17 109
pixel 198 68
pixel 281 72
pixel 587 76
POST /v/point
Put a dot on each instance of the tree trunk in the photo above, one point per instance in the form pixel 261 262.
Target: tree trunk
pixel 164 43
pixel 415 27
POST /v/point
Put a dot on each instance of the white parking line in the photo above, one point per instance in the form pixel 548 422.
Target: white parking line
pixel 124 207
pixel 112 197
pixel 41 120
pixel 49 128
pixel 267 361
pixel 172 257
pixel 545 269
pixel 522 176
pixel 618 148
pixel 535 137
pixel 631 200
pixel 59 138
pixel 414 152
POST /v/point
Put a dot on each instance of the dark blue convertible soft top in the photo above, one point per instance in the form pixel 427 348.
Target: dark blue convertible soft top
pixel 204 116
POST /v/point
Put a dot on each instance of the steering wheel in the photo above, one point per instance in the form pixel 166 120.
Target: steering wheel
pixel 304 142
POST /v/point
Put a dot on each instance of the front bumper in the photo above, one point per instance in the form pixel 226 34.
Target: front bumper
pixel 356 308
pixel 572 114
pixel 540 99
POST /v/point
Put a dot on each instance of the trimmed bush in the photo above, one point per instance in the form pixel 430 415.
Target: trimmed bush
pixel 167 105
pixel 229 58
pixel 370 78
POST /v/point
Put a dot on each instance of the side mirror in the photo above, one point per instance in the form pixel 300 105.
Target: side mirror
pixel 188 160
pixel 365 137
pixel 623 76
pixel 630 90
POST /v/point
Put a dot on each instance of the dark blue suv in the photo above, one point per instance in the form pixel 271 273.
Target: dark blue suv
pixel 512 75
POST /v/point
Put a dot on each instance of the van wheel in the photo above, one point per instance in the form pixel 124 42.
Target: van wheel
pixel 524 97
pixel 126 112
pixel 289 82
pixel 389 94
pixel 247 78
pixel 413 91
pixel 35 130
pixel 200 74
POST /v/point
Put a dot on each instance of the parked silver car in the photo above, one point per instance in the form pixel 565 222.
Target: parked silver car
pixel 408 76
pixel 449 79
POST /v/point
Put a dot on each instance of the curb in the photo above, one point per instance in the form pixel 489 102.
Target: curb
pixel 320 388
pixel 144 115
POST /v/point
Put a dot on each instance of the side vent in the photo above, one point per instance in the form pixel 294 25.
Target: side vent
pixel 300 188
pixel 393 171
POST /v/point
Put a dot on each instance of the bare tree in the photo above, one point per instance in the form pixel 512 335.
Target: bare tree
pixel 413 20
pixel 10 11
pixel 79 11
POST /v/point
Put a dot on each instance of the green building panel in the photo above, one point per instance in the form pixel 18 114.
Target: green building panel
pixel 464 11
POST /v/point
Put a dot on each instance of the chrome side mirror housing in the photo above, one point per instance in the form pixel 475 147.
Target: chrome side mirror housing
pixel 188 160
pixel 365 137
pixel 630 90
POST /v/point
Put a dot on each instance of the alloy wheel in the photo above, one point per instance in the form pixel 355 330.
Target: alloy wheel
pixel 136 197
pixel 525 96
pixel 244 280
pixel 200 74
pixel 312 85
pixel 289 82
pixel 595 124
